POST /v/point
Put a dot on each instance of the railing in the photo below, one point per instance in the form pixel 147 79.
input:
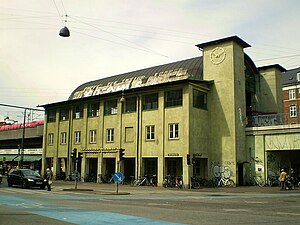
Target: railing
pixel 272 120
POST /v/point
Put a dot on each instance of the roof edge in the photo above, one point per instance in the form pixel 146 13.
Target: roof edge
pixel 231 38
pixel 277 66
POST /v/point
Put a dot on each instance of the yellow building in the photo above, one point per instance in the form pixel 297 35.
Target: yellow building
pixel 185 118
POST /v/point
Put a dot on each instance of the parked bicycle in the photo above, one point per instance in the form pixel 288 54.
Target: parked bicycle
pixel 225 182
pixel 258 180
pixel 195 183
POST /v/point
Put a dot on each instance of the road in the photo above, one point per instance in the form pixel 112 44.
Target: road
pixel 99 204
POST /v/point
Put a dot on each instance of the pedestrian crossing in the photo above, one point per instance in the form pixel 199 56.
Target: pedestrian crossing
pixel 55 190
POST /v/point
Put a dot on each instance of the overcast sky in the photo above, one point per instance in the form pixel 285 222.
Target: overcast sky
pixel 37 66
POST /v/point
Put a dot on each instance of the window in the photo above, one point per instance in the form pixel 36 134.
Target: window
pixel 110 135
pixel 150 132
pixel 129 105
pixel 50 139
pixel 63 138
pixel 78 112
pixel 93 109
pixel 64 114
pixel 199 99
pixel 129 134
pixel 93 136
pixel 111 107
pixel 51 116
pixel 292 94
pixel 298 76
pixel 77 137
pixel 150 101
pixel 173 131
pixel 293 111
pixel 173 98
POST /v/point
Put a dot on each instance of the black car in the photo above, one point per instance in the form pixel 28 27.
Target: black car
pixel 25 178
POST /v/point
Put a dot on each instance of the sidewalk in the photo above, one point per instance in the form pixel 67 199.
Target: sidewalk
pixel 127 189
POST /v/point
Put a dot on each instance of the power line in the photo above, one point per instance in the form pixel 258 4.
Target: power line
pixel 282 57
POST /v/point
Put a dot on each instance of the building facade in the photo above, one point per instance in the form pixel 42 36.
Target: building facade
pixel 162 116
pixel 291 93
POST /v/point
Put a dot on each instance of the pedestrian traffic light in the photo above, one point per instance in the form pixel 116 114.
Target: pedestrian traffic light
pixel 80 155
pixel 121 154
pixel 188 159
pixel 74 153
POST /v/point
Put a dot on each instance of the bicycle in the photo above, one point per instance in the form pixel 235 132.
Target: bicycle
pixel 194 183
pixel 258 181
pixel 225 182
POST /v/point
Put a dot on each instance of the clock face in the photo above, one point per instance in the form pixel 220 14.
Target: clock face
pixel 217 55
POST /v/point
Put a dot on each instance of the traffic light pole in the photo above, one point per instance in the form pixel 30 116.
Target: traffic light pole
pixel 76 173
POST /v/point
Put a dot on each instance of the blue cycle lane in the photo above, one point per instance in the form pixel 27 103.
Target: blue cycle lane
pixel 73 214
pixel 80 216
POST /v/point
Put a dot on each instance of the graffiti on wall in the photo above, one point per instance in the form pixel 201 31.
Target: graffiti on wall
pixel 223 169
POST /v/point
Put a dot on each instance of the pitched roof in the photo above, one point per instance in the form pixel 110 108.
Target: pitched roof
pixel 290 77
pixel 191 69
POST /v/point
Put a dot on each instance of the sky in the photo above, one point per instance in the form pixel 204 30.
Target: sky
pixel 108 38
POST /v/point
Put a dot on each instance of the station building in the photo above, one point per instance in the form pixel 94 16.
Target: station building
pixel 165 116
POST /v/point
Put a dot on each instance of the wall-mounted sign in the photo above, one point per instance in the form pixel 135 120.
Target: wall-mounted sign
pixel 173 154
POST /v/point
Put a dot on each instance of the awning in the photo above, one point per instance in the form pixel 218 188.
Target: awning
pixel 26 158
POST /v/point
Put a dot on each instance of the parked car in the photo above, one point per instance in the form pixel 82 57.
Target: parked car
pixel 25 178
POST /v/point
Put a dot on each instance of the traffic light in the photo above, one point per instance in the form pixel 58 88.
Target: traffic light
pixel 80 155
pixel 188 159
pixel 121 154
pixel 74 153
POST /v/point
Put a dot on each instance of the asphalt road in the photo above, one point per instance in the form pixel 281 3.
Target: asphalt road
pixel 100 204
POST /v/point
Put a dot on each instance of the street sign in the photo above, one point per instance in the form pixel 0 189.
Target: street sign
pixel 118 177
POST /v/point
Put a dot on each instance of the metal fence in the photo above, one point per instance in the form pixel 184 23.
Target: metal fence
pixel 272 120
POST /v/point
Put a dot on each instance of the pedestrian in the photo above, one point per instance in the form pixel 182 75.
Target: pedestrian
pixel 49 176
pixel 282 179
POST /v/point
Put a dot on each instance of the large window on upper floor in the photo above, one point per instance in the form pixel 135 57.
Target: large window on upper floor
pixel 93 109
pixel 292 94
pixel 150 101
pixel 173 98
pixel 111 107
pixel 51 116
pixel 64 114
pixel 199 99
pixel 78 112
pixel 293 111
pixel 129 105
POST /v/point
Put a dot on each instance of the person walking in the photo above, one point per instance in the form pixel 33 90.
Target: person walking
pixel 282 179
pixel 49 176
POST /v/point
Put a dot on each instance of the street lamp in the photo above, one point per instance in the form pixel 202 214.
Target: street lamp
pixel 64 32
